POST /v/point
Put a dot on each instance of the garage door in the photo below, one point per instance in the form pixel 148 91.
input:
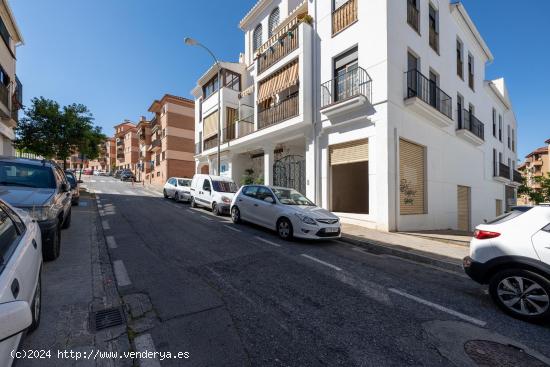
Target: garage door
pixel 463 193
pixel 350 152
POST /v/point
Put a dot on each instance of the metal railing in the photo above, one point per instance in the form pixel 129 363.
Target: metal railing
pixel 413 16
pixel 352 83
pixel 471 123
pixel 211 143
pixel 279 112
pixel 278 50
pixel 344 16
pixel 503 170
pixel 428 91
pixel 157 143
pixel 245 127
pixel 4 95
pixel 517 176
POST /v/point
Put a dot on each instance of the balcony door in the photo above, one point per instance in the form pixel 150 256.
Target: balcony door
pixel 346 75
pixel 412 75
pixel 434 82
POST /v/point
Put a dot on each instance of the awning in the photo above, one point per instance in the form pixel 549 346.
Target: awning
pixel 210 125
pixel 280 81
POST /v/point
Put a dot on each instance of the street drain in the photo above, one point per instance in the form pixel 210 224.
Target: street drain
pixel 486 353
pixel 106 318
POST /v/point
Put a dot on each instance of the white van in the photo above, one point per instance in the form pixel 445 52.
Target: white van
pixel 213 192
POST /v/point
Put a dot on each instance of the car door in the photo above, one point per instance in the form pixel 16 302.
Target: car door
pixel 245 203
pixel 19 268
pixel 541 242
pixel 206 192
pixel 170 189
pixel 266 212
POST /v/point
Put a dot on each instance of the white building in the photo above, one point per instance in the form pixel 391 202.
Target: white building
pixel 11 90
pixel 379 110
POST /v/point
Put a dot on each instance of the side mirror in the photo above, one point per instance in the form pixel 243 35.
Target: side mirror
pixel 15 317
pixel 269 199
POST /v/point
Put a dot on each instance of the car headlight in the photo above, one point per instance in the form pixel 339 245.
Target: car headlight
pixel 306 219
pixel 226 200
pixel 41 213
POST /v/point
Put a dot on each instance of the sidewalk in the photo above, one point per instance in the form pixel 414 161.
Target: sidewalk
pixel 414 247
pixel 74 286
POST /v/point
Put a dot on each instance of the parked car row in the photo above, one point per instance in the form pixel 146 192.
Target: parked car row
pixel 124 175
pixel 36 197
pixel 282 209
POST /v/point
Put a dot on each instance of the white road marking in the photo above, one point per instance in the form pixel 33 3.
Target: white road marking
pixel 111 242
pixel 322 262
pixel 144 345
pixel 267 241
pixel 105 225
pixel 121 274
pixel 232 228
pixel 205 217
pixel 92 181
pixel 439 307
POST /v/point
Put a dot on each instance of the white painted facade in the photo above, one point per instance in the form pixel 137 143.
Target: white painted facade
pixel 453 156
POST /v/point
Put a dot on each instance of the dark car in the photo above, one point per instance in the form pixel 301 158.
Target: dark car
pixel 75 187
pixel 127 176
pixel 117 173
pixel 39 187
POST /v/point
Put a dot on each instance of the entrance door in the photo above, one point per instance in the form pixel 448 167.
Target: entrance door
pixel 464 199
pixel 349 172
pixel 290 171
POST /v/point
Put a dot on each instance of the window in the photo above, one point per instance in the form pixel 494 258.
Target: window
pixel 471 71
pixel 26 175
pixel 273 21
pixel 206 185
pixel 459 110
pixel 225 186
pixel 8 237
pixel 163 156
pixel 257 37
pixel 494 123
pixel 459 59
pixel 210 87
pixel 413 14
pixel 250 191
pixel 232 80
pixel 264 192
pixel 509 137
pixel 513 140
pixel 5 34
pixel 412 178
pixel 345 74
pixel 494 162
pixel 500 127
pixel 412 62
pixel 433 23
pixel 4 77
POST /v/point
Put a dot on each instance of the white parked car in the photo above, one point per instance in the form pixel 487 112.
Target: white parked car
pixel 178 188
pixel 285 210
pixel 212 192
pixel 512 255
pixel 20 290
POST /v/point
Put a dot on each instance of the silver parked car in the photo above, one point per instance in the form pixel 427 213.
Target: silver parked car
pixel 285 210
pixel 178 188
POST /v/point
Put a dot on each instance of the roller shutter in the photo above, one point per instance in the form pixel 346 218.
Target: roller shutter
pixel 463 198
pixel 498 207
pixel 412 178
pixel 350 152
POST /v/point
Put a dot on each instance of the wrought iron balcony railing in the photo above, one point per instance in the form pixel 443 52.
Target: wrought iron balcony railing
pixel 468 121
pixel 279 112
pixel 428 91
pixel 350 84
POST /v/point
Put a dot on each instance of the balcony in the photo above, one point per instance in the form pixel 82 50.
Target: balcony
pixel 470 128
pixel 198 148
pixel 281 47
pixel 211 143
pixel 156 144
pixel 428 100
pixel 346 91
pixel 503 172
pixel 413 17
pixel 344 16
pixel 120 155
pixel 517 177
pixel 279 112
pixel 229 133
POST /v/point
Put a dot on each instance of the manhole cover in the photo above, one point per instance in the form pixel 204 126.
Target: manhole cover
pixel 487 354
pixel 106 318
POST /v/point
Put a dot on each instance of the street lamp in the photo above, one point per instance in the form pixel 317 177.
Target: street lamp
pixel 192 42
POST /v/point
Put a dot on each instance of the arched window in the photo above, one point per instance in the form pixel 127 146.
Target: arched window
pixel 273 21
pixel 257 37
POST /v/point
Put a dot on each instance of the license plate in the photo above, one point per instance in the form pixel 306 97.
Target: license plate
pixel 331 229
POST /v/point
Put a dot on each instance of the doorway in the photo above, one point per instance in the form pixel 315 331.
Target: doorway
pixel 464 208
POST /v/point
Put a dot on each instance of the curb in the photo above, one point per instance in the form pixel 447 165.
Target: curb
pixel 439 239
pixel 404 252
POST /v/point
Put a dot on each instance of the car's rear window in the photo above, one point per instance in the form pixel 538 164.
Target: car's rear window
pixel 184 182
pixel 507 216
pixel 26 175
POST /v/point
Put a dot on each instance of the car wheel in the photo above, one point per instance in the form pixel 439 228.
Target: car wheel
pixel 176 197
pixel 165 194
pixel 284 229
pixel 52 249
pixel 216 209
pixel 193 204
pixel 235 215
pixel 67 221
pixel 522 294
pixel 36 306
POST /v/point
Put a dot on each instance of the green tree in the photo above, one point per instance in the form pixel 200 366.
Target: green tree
pixel 540 194
pixel 49 130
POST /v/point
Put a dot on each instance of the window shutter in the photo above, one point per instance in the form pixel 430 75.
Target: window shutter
pixel 350 152
pixel 412 174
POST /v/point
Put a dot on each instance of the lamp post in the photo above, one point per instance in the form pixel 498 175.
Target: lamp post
pixel 192 42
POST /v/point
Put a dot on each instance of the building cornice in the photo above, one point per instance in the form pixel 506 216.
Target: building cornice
pixel 253 13
pixel 458 8
pixel 19 38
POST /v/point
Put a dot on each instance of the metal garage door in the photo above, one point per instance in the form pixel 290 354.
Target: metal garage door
pixel 350 152
pixel 463 194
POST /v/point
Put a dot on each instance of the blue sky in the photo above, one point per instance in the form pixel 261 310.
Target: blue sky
pixel 117 56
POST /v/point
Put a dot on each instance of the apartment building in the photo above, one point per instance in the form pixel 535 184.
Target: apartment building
pixel 144 138
pixel 126 145
pixel 378 110
pixel 11 89
pixel 110 152
pixel 171 139
pixel 536 164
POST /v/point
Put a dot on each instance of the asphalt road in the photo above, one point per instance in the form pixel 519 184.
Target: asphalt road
pixel 236 295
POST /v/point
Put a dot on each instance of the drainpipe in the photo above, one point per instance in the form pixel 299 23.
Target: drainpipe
pixel 315 113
